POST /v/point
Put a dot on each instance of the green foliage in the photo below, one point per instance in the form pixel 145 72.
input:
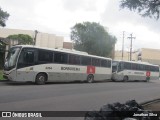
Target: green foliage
pixel 2 54
pixel 146 8
pixel 1 75
pixel 2 46
pixel 2 57
pixel 92 38
pixel 22 38
pixel 3 17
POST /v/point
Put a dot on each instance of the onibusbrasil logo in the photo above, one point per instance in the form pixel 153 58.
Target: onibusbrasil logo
pixel 21 114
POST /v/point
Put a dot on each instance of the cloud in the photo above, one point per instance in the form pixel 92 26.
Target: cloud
pixel 21 13
pixel 74 5
pixel 61 15
pixel 58 16
pixel 146 30
pixel 52 16
pixel 85 5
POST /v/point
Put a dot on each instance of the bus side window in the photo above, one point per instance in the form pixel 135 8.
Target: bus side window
pixel 29 57
pixel 134 66
pixel 26 58
pixel 104 63
pixel 141 67
pixel 157 69
pixel 120 67
pixel 60 57
pixel 127 65
pixel 95 62
pixel 74 59
pixel 45 56
pixel 147 68
pixel 108 63
pixel 85 60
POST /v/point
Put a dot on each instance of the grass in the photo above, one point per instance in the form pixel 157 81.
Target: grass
pixel 1 75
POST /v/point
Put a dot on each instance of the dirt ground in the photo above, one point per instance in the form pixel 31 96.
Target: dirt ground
pixel 153 107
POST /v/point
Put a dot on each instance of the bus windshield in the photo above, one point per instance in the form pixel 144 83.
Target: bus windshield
pixel 114 66
pixel 11 58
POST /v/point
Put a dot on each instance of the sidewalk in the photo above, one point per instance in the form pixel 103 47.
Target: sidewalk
pixel 153 107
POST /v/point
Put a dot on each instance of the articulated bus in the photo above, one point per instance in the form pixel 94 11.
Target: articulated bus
pixel 40 65
pixel 130 70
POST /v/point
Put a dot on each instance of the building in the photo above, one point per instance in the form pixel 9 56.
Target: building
pixel 42 39
pixel 126 55
pixel 144 54
pixel 68 45
pixel 8 43
pixel 149 55
pixel 49 40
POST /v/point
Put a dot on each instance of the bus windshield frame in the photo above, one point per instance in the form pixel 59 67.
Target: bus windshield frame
pixel 114 66
pixel 12 57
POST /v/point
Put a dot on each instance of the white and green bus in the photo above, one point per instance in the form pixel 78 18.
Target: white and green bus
pixel 130 70
pixel 40 65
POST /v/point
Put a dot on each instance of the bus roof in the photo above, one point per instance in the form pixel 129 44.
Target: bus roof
pixel 138 62
pixel 63 50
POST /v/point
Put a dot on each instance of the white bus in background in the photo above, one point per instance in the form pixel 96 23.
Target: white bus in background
pixel 40 65
pixel 130 70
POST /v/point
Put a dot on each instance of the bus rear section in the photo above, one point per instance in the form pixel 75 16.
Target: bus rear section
pixel 130 71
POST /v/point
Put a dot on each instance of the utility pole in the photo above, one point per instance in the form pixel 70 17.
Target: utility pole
pixel 123 46
pixel 131 37
pixel 35 37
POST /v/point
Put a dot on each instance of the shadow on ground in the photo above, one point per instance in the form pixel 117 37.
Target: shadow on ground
pixel 11 83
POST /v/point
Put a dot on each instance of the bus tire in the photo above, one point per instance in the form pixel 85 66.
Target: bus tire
pixel 146 81
pixel 113 80
pixel 90 78
pixel 41 78
pixel 125 79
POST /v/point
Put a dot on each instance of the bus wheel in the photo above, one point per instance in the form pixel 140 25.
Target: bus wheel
pixel 125 79
pixel 40 79
pixel 147 79
pixel 90 79
pixel 112 80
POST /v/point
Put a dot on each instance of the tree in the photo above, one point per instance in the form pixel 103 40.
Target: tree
pixel 146 8
pixel 2 46
pixel 3 17
pixel 2 54
pixel 92 38
pixel 22 38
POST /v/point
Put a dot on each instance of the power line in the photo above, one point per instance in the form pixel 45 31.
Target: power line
pixel 123 46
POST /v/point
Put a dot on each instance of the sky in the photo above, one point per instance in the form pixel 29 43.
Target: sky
pixel 59 16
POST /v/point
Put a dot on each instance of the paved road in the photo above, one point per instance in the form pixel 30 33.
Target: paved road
pixel 73 96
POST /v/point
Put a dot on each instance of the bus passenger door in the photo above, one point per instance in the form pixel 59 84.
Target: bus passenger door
pixel 120 71
pixel 25 65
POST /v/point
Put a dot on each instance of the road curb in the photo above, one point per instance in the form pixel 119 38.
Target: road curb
pixel 145 103
pixel 4 80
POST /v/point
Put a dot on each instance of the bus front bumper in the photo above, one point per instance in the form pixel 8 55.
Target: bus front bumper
pixel 5 77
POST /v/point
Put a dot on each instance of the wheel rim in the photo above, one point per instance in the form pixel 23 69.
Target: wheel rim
pixel 90 79
pixel 125 78
pixel 41 79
